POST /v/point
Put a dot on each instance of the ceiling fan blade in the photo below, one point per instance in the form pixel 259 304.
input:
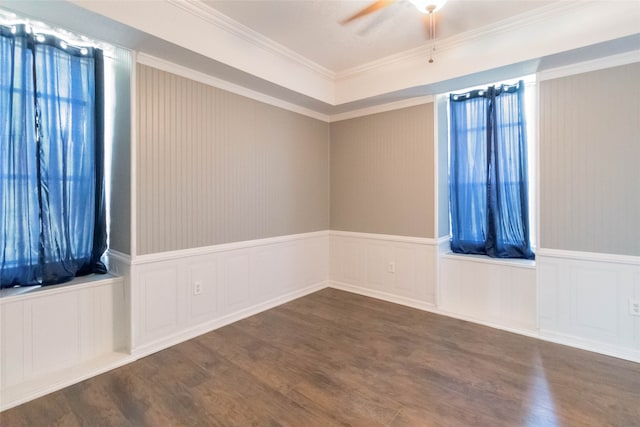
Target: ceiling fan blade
pixel 377 5
pixel 377 20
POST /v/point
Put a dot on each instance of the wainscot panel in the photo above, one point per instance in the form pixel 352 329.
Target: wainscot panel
pixel 55 336
pixel 394 268
pixel 497 293
pixel 585 301
pixel 179 295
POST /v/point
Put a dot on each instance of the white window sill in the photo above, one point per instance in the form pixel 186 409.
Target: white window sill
pixel 13 294
pixel 511 262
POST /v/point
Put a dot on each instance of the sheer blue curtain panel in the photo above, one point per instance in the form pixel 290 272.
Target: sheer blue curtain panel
pixel 488 173
pixel 51 159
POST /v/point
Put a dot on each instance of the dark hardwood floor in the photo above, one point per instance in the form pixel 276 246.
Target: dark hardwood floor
pixel 335 358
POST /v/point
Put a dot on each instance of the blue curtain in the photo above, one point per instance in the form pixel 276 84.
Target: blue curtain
pixel 51 159
pixel 488 173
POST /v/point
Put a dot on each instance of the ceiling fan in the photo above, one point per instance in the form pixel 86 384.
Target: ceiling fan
pixel 427 7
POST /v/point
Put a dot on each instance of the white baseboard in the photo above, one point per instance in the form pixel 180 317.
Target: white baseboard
pixel 589 345
pixel 24 392
pixel 384 296
pixel 214 324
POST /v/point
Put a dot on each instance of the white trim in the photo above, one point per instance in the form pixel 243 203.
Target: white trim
pixel 588 256
pixel 419 52
pixel 409 302
pixel 209 326
pixel 537 192
pixel 387 237
pixel 538 171
pixel 133 168
pixel 212 16
pixel 436 169
pixel 382 108
pixel 120 256
pixel 593 65
pixel 27 391
pixel 170 67
pixel 384 296
pixel 525 332
pixel 589 345
pixel 204 250
pixel 511 262
pixel 443 240
pixel 89 281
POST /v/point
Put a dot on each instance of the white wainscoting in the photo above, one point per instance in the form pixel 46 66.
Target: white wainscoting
pixel 394 268
pixel 500 294
pixel 237 280
pixel 58 336
pixel 497 293
pixel 52 337
pixel 584 301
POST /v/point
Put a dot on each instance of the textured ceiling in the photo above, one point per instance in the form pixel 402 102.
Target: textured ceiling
pixel 312 28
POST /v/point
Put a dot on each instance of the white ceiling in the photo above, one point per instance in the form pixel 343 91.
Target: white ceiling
pixel 295 53
pixel 312 28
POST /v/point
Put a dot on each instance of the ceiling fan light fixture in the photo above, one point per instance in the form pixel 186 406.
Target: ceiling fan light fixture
pixel 428 6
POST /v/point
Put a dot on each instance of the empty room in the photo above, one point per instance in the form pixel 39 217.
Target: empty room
pixel 319 213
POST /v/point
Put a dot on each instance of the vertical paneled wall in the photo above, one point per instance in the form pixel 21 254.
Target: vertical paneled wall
pixel 382 173
pixel 589 161
pixel 214 167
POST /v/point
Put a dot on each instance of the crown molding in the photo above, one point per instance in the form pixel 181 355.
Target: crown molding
pixel 537 16
pixel 170 67
pixel 202 11
pixel 552 73
pixel 588 66
pixel 222 21
pixel 381 108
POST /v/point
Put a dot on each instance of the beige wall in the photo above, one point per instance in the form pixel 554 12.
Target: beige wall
pixel 590 161
pixel 382 173
pixel 214 167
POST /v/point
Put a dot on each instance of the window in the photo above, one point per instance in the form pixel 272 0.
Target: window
pixel 488 172
pixel 52 226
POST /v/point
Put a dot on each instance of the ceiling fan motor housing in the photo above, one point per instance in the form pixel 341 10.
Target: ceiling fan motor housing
pixel 428 6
